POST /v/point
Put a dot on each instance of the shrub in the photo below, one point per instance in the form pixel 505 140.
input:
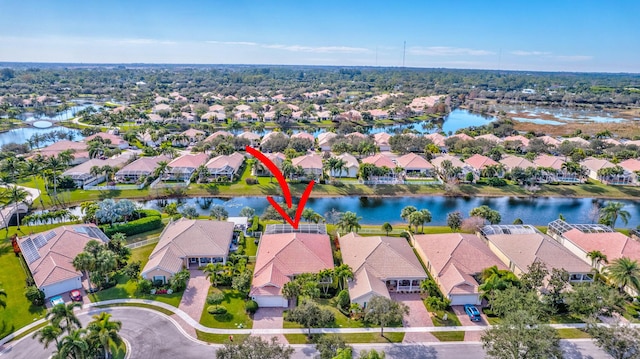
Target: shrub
pixel 343 299
pixel 144 285
pixel 35 295
pixel 251 180
pixel 216 309
pixel 255 224
pixel 130 228
pixel 251 306
pixel 496 182
pixel 215 298
pixel 337 183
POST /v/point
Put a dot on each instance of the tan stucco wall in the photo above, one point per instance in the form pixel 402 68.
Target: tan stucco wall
pixel 157 272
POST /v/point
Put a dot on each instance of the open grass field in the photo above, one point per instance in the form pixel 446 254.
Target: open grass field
pixel 235 318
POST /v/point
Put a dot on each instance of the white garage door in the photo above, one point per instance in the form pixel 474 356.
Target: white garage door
pixel 463 299
pixel 265 301
pixel 61 287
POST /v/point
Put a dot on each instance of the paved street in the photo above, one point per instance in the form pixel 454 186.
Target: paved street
pixel 154 335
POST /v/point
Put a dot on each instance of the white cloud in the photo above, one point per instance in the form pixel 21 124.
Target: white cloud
pixel 319 49
pixel 573 58
pixel 447 51
pixel 530 53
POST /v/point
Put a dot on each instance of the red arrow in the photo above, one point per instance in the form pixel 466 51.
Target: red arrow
pixel 285 189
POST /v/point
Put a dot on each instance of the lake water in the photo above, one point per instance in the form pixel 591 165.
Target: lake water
pixel 60 116
pixel 21 135
pixel 561 114
pixel 537 211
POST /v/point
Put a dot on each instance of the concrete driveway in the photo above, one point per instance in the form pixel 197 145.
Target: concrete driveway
pixel 470 336
pixel 418 317
pixel 270 318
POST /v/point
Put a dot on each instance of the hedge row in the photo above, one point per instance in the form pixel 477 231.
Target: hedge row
pixel 149 213
pixel 134 227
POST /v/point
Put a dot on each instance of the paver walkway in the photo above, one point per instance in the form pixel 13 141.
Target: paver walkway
pixel 418 317
pixel 195 295
pixel 270 318
pixel 469 336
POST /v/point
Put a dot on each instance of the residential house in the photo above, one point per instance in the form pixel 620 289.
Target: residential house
pixel 49 256
pixel 253 138
pixel 192 136
pixel 225 166
pixel 438 161
pixel 415 165
pixel 114 140
pixel 323 115
pixel 479 162
pixel 519 246
pixel 510 162
pixel 324 140
pixel 550 141
pixel 214 116
pixel 489 137
pixel 218 134
pixel 181 168
pixel 281 257
pixel 524 142
pixel 438 139
pixel 454 260
pixel 559 173
pixel 462 137
pixel 82 176
pixel 162 107
pixel 276 157
pixel 304 135
pixel 581 239
pixel 581 142
pixel 78 150
pixel 267 136
pixel 382 141
pixel 593 165
pixel 138 169
pixel 351 166
pixel 188 243
pixel 632 166
pixel 381 160
pixel 311 164
pixel 380 265
pixel 379 114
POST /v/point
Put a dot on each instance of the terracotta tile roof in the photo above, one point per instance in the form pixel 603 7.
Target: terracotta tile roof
pixel 455 161
pixel 281 256
pixel 249 136
pixel 243 108
pixel 325 137
pixel 234 161
pixel 522 139
pixel 549 161
pixel 551 141
pixel 489 137
pixel 293 107
pixel 379 113
pixel 510 162
pixel 115 139
pixel 218 133
pixel 55 148
pixel 85 167
pixel 437 139
pixel 382 138
pixel 189 160
pixel 578 140
pixel 365 282
pixel 380 160
pixel 419 103
pixel 611 141
pixel 142 165
pixel 479 162
pixel 630 165
pixel 455 258
pixel 412 161
pixel 192 132
pixel 51 261
pixel 216 108
pixel 190 238
pixel 613 244
pixel 310 161
pixel 462 136
pixel 349 159
pixel 303 135
pixel 524 249
pixel 267 136
pixel 594 164
pixel 216 115
pixel 356 134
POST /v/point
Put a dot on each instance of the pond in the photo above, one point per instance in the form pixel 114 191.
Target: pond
pixel 21 135
pixel 559 116
pixel 60 116
pixel 536 211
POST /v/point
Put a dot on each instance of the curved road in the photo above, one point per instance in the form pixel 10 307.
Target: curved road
pixel 155 335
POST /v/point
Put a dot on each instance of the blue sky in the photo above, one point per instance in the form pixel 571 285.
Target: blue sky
pixel 510 35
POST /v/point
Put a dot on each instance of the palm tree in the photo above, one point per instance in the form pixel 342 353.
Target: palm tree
pixel 48 334
pixel 426 217
pixel 624 272
pixel 406 212
pixel 386 226
pixel 63 316
pixel 597 257
pixel 609 214
pixel 496 279
pixel 349 221
pixel 13 165
pixel 3 293
pixel 162 168
pixel 17 195
pixel 415 219
pixel 54 164
pixel 34 168
pixel 342 273
pixel 212 272
pixel 74 346
pixel 85 262
pixel 106 262
pixel 105 332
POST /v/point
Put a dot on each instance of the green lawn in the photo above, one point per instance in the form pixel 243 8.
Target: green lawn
pixel 452 319
pixel 127 288
pixel 144 236
pixel 251 248
pixel 236 316
pixel 565 319
pixel 453 336
pixel 572 333
pixel 220 338
pixel 140 305
pixel 341 320
pixel 351 338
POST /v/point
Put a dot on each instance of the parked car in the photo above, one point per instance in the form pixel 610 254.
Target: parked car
pixel 75 295
pixel 472 312
pixel 56 300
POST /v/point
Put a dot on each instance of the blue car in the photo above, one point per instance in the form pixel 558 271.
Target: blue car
pixel 472 312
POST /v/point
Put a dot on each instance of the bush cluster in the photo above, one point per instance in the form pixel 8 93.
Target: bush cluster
pixel 216 309
pixel 215 298
pixel 130 228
